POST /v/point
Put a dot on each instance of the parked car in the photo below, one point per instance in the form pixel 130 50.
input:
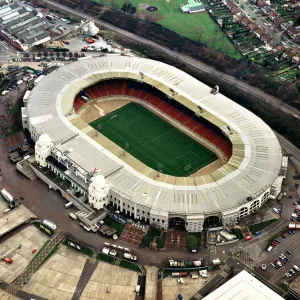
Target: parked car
pixel 289 252
pixel 295 203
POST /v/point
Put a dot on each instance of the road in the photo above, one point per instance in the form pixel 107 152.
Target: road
pixel 246 88
pixel 289 147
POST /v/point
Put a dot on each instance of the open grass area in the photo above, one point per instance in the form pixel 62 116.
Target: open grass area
pixel 149 237
pixel 262 225
pixel 155 142
pixel 114 224
pixel 161 241
pixel 185 24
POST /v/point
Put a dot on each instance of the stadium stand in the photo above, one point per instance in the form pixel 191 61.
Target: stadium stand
pixel 175 110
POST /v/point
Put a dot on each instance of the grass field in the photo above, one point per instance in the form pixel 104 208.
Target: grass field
pixel 185 24
pixel 153 141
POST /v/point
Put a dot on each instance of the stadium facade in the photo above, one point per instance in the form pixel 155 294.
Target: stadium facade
pixel 71 160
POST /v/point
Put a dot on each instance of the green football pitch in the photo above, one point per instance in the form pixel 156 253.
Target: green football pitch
pixel 153 141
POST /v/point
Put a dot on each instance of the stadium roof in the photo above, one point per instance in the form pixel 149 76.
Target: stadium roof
pixel 23 24
pixel 253 167
pixel 243 286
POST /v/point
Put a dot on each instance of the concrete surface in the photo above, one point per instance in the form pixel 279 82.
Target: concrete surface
pixel 111 282
pixel 58 277
pixel 171 288
pixel 4 296
pixel 14 218
pixel 151 282
pixel 30 238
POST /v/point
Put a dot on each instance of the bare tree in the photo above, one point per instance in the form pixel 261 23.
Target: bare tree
pixel 200 30
pixel 3 122
pixel 8 103
pixel 262 213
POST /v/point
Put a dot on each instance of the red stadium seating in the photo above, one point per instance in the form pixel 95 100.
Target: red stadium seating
pixel 78 102
pixel 123 87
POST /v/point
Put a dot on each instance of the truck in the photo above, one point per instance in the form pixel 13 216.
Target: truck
pixel 228 236
pixel 7 196
pixel 294 226
pixel 69 204
pixel 197 263
pixel 130 256
pixel 216 261
pixel 51 225
pixel 174 263
pixel 105 250
pixel 89 40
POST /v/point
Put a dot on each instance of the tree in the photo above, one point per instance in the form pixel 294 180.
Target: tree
pixel 8 103
pixel 191 242
pixel 200 30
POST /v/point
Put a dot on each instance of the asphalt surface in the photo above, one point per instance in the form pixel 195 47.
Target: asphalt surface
pixel 188 60
pixel 86 274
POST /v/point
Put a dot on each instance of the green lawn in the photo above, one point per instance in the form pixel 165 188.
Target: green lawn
pixel 153 141
pixel 149 237
pixel 260 226
pixel 185 24
pixel 114 224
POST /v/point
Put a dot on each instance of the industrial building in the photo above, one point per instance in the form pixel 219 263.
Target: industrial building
pixel 21 27
pixel 71 159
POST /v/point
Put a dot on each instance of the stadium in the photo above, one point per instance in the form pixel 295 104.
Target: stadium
pixel 153 142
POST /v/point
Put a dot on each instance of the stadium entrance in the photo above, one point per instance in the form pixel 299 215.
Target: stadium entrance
pixel 177 222
pixel 212 223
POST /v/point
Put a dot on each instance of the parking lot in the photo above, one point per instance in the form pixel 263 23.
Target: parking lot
pixel 171 288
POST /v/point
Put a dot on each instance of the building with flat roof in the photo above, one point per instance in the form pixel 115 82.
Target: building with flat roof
pixel 21 27
pixel 243 286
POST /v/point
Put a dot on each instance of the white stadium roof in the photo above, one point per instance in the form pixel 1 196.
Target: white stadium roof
pixel 253 167
pixel 243 286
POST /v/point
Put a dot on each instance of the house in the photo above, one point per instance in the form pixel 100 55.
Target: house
pixel 252 26
pixel 265 10
pixel 291 31
pixel 259 32
pixel 296 60
pixel 278 20
pixel 285 26
pixel 265 38
pixel 235 10
pixel 272 15
pixel 279 48
pixel 245 21
pixel 261 3
pixel 288 54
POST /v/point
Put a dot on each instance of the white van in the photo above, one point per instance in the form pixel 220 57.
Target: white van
pixel 107 244
pixel 73 216
pixel 270 248
pixel 69 204
pixel 296 268
pixel 4 93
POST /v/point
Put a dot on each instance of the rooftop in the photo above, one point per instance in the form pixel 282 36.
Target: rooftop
pixel 23 24
pixel 243 286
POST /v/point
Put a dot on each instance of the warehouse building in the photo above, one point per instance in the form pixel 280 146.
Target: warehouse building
pixel 21 27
